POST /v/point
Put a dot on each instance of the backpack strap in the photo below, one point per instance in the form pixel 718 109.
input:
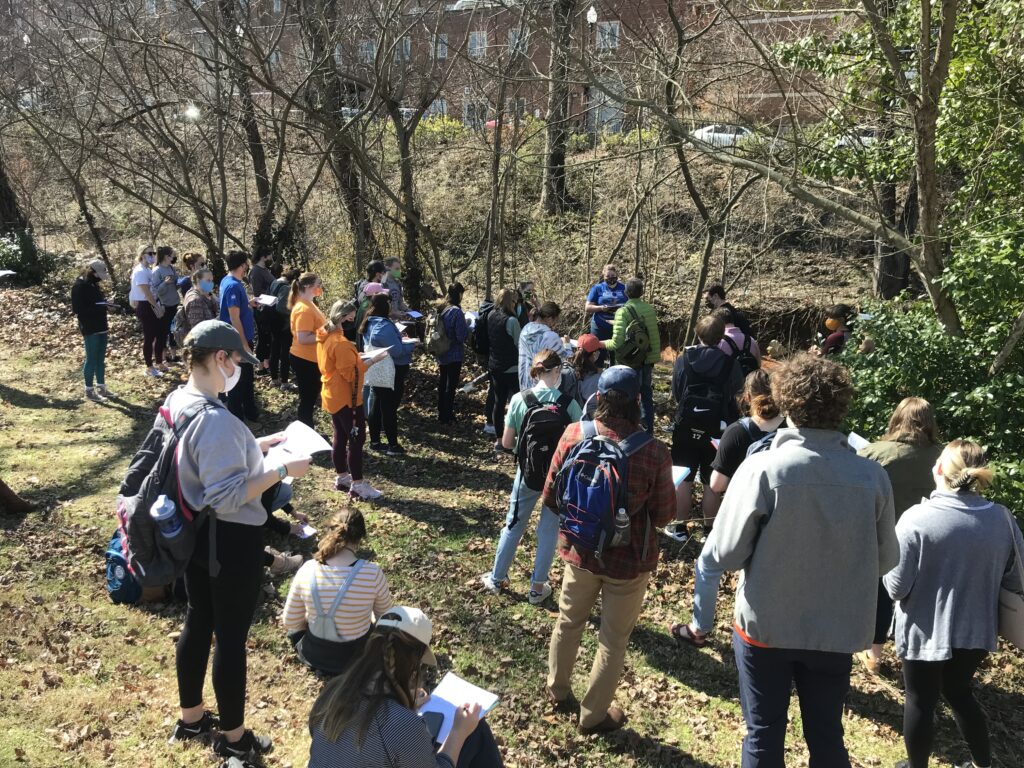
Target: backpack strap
pixel 746 343
pixel 630 446
pixel 732 345
pixel 356 566
pixel 588 429
pixel 746 421
pixel 635 442
pixel 530 399
pixel 563 402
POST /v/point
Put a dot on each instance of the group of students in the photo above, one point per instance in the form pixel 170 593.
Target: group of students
pixel 781 479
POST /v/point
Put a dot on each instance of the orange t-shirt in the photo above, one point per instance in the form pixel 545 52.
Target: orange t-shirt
pixel 305 317
pixel 341 371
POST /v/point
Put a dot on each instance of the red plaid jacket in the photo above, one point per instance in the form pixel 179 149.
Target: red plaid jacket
pixel 651 495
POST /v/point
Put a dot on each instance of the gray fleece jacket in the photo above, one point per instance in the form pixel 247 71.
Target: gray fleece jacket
pixel 956 551
pixel 812 527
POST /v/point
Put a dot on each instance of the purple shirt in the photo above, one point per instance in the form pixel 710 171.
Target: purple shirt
pixel 738 339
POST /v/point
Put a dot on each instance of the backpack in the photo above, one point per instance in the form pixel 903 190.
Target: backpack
pixel 151 558
pixel 121 584
pixel 281 289
pixel 634 350
pixel 762 443
pixel 481 341
pixel 438 342
pixel 179 325
pixel 702 404
pixel 747 360
pixel 543 426
pixel 592 491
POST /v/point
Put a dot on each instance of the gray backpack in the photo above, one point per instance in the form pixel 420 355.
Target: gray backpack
pixel 323 625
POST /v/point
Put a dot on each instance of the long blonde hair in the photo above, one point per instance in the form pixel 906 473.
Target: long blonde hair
pixel 141 257
pixel 304 281
pixel 964 466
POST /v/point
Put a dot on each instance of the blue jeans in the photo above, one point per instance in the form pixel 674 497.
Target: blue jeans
pixel 766 681
pixel 647 397
pixel 705 593
pixel 522 500
pixel 282 497
pixel 95 355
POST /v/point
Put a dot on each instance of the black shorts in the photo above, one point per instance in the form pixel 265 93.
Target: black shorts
pixel 693 448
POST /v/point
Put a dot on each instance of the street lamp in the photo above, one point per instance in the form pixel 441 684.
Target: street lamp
pixel 191 113
pixel 592 16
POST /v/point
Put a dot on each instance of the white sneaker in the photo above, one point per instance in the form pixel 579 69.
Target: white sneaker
pixel 153 373
pixel 677 531
pixel 92 394
pixel 343 482
pixel 364 490
pixel 489 429
pixel 102 389
pixel 536 598
pixel 492 586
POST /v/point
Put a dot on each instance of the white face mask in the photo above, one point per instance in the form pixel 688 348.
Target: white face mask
pixel 230 379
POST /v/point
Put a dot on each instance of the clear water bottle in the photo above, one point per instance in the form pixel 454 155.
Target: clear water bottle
pixel 165 514
pixel 621 536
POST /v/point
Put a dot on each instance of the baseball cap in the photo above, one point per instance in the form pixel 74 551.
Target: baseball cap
pixel 97 266
pixel 414 623
pixel 621 378
pixel 372 289
pixel 216 334
pixel 589 343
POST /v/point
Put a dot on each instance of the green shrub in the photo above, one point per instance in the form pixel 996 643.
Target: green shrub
pixel 18 252
pixel 913 357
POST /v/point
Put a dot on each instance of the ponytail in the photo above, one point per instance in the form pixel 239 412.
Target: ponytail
pixel 346 527
pixel 304 281
pixel 964 466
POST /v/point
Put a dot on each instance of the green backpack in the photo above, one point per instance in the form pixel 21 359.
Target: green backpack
pixel 637 345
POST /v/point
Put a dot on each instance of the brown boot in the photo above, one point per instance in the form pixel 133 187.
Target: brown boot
pixel 567 706
pixel 614 719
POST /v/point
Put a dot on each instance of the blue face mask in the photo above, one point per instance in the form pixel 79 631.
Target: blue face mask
pixel 206 286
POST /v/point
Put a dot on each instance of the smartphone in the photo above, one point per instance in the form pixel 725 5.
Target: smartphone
pixel 433 721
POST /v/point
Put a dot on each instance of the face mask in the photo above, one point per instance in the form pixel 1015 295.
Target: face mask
pixel 174 260
pixel 832 324
pixel 612 279
pixel 206 286
pixel 150 259
pixel 396 273
pixel 232 379
pixel 709 304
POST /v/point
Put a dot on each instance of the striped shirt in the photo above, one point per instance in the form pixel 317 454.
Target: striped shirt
pixel 369 594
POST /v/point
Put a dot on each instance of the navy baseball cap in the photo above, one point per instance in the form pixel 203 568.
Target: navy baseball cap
pixel 621 378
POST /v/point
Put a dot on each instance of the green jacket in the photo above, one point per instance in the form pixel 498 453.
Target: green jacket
pixel 909 468
pixel 622 318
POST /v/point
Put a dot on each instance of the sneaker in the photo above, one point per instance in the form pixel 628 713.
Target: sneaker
pixel 247 748
pixel 92 394
pixel 492 586
pixel 343 482
pixel 364 490
pixel 154 373
pixel 287 386
pixel 395 450
pixel 378 446
pixel 201 730
pixel 283 564
pixel 489 429
pixel 677 531
pixel 102 389
pixel 263 372
pixel 536 598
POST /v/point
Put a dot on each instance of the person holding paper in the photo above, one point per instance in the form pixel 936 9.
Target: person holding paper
pixel 366 718
pixel 221 466
pixel 342 372
pixel 379 332
pixel 90 307
pixel 907 452
pixel 236 310
pixel 260 280
pixel 306 319
pixel 334 597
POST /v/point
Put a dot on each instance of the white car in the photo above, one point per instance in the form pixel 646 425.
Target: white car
pixel 858 137
pixel 721 135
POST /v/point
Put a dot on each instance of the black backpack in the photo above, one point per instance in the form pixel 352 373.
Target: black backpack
pixel 481 341
pixel 153 559
pixel 762 443
pixel 543 426
pixel 747 360
pixel 703 402
pixel 637 344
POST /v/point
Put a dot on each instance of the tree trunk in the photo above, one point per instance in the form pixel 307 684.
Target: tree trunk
pixel 350 183
pixel 891 268
pixel 493 216
pixel 12 219
pixel 554 197
pixel 710 239
pixel 11 503
pixel 410 253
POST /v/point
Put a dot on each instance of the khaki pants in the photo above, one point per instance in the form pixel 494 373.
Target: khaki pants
pixel 621 602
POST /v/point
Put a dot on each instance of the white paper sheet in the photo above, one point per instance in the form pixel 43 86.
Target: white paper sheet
pixel 409 341
pixel 414 315
pixel 368 356
pixel 865 316
pixel 266 300
pixel 679 474
pixel 856 441
pixel 452 693
pixel 306 532
pixel 6 272
pixel 300 441
pixel 401 326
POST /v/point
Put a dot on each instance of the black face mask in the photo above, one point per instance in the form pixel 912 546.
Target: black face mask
pixel 94 278
pixel 709 304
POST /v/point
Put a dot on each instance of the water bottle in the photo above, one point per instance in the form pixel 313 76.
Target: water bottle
pixel 165 514
pixel 621 535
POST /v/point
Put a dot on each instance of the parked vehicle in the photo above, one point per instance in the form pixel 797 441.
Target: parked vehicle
pixel 721 135
pixel 863 136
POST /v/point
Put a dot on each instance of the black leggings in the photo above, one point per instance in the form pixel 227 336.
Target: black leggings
pixel 505 385
pixel 925 682
pixel 223 607
pixel 883 615
pixel 384 411
pixel 280 343
pixel 448 381
pixel 307 377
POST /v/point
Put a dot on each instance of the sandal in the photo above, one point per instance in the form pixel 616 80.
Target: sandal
pixel 683 636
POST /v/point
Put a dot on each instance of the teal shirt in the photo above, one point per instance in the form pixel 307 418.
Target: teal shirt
pixel 544 393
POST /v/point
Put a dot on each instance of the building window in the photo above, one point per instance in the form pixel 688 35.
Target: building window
pixel 441 47
pixel 403 50
pixel 607 35
pixel 478 44
pixel 367 51
pixel 516 108
pixel 438 108
pixel 151 7
pixel 337 55
pixel 517 42
pixel 474 113
pixel 278 6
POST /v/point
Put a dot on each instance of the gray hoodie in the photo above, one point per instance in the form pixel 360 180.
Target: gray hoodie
pixel 812 527
pixel 535 337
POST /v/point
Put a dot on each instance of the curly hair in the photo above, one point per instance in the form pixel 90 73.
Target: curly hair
pixel 812 391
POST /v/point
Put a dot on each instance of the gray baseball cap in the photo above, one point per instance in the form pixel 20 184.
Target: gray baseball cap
pixel 216 334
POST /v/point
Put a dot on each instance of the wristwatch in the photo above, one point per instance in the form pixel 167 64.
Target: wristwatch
pixel 282 472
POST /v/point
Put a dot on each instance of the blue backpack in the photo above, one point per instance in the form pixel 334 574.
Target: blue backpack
pixel 759 444
pixel 122 586
pixel 592 491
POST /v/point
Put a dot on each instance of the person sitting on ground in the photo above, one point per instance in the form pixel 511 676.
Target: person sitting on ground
pixel 604 299
pixel 638 312
pixel 342 372
pixel 837 323
pixel 957 551
pixel 279 496
pixel 380 332
pixel 760 422
pixel 714 298
pixel 546 371
pixel 580 378
pixel 812 526
pixel 334 597
pixel 366 718
pixel 221 466
pixel 737 344
pixel 705 382
pixel 449 364
pixel 503 331
pixel 537 335
pixel 907 452
pixel 90 307
pixel 620 575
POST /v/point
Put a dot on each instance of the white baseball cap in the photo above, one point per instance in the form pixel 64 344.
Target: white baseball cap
pixel 414 623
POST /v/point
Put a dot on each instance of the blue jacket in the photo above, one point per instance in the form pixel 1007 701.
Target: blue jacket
pixel 454 320
pixel 381 332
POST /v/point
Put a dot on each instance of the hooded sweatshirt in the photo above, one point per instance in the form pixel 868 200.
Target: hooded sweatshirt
pixel 812 527
pixel 341 371
pixel 382 332
pixel 535 337
pixel 699 364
